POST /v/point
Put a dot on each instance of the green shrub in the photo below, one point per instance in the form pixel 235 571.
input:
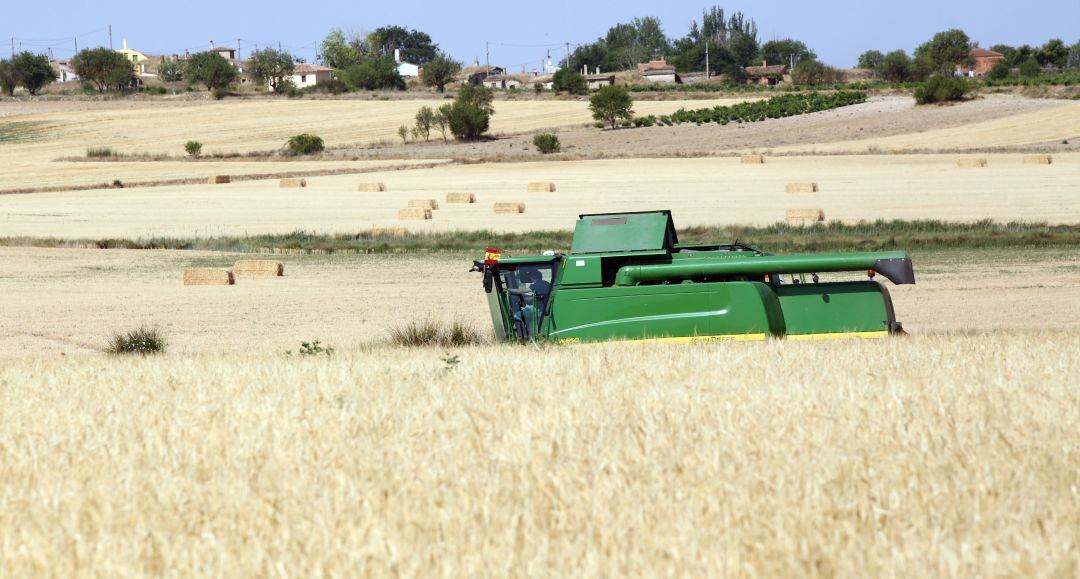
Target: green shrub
pixel 219 93
pixel 646 121
pixel 470 114
pixel 569 80
pixel 1030 68
pixel 100 153
pixel 193 148
pixel 305 144
pixel 314 348
pixel 432 333
pixel 154 90
pixel 547 143
pixel 142 340
pixel 598 125
pixel 1000 71
pixel 941 89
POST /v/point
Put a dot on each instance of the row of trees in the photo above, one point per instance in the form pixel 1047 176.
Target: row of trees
pixel 731 40
pixel 27 70
pixel 951 48
pixel 365 61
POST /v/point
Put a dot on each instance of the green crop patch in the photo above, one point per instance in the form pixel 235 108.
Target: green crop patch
pixel 21 131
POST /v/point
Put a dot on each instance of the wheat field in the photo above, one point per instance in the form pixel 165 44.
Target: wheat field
pixel 943 456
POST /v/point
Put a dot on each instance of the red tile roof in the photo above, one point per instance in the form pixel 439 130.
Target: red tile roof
pixel 984 53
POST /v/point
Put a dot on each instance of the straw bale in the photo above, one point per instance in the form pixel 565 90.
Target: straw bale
pixel 372 187
pixel 753 159
pixel 414 213
pixel 208 276
pixel 258 268
pixel 802 187
pixel 804 216
pixel 460 198
pixel 217 179
pixel 509 208
pixel 969 162
pixel 424 203
pixel 290 183
pixel 542 187
pixel 1038 160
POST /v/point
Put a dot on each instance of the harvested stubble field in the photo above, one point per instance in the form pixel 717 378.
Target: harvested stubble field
pixel 232 127
pixel 704 191
pixel 70 300
pixel 940 456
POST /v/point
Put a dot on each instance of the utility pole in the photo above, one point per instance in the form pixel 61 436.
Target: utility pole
pixel 110 37
pixel 567 55
pixel 703 15
pixel 12 47
pixel 487 55
pixel 76 39
pixel 237 49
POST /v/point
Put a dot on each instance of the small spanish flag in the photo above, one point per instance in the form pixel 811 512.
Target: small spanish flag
pixel 492 256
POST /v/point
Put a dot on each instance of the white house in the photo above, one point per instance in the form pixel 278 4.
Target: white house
pixel 305 75
pixel 405 69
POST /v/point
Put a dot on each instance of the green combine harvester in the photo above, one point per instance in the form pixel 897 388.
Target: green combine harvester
pixel 628 278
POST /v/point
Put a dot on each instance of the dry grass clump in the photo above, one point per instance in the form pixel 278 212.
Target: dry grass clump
pixel 434 333
pixel 142 340
pixel 925 456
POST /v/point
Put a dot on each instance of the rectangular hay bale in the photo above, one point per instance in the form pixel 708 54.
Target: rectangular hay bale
pixel 510 208
pixel 258 268
pixel 542 187
pixel 802 187
pixel 1038 160
pixel 208 276
pixel 460 198
pixel 804 216
pixel 413 214
pixel 971 162
pixel 753 159
pixel 372 187
pixel 424 203
pixel 218 179
pixel 292 183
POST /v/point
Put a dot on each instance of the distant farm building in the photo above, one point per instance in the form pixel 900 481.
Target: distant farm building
pixel 658 63
pixel 475 75
pixel 305 75
pixel 596 81
pixel 138 60
pixel 63 70
pixel 662 75
pixel 766 74
pixel 983 61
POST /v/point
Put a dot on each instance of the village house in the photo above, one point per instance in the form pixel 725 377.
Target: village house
pixel 502 81
pixel 138 60
pixel 766 74
pixel 63 70
pixel 305 75
pixel 476 74
pixel 596 81
pixel 983 61
pixel 656 63
pixel 406 69
pixel 662 75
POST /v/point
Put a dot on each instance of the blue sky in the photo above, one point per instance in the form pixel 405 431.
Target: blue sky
pixel 519 32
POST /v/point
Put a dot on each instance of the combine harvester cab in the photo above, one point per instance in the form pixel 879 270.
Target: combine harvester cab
pixel 628 278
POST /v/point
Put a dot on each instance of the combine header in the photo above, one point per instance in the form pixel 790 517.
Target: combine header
pixel 628 278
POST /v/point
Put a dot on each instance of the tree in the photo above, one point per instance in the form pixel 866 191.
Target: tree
pixel 946 50
pixel 414 46
pixel 623 47
pixel 271 67
pixel 1054 53
pixel 171 71
pixel 32 71
pixel 442 118
pixel 470 115
pixel 870 59
pixel 338 52
pixel 999 71
pixel 374 74
pixel 425 118
pixel 211 69
pixel 8 80
pixel 814 73
pixel 787 51
pixel 1007 51
pixel 1073 60
pixel 104 69
pixel 1030 68
pixel 611 104
pixel 440 71
pixel 895 67
pixel 569 80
